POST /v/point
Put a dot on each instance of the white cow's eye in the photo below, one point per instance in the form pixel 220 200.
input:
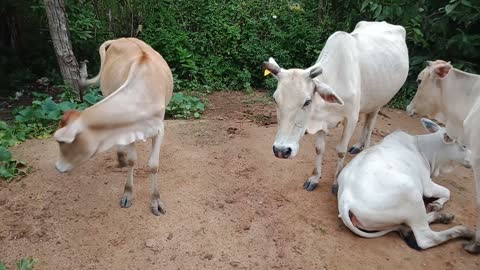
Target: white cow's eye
pixel 419 81
pixel 308 102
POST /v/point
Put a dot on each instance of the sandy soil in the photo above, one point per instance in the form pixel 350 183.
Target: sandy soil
pixel 230 204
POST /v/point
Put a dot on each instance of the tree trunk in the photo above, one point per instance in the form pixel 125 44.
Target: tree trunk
pixel 58 25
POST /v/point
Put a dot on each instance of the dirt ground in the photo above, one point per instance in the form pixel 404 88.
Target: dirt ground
pixel 230 204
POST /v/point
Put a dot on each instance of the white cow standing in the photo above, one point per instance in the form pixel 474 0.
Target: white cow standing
pixel 452 96
pixel 356 72
pixel 382 188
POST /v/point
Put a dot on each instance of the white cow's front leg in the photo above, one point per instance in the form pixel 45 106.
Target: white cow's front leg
pixel 365 138
pixel 433 190
pixel 474 245
pixel 312 182
pixel 157 205
pixel 348 129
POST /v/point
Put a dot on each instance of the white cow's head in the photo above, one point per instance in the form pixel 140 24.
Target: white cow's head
pixel 428 99
pixel 442 149
pixel 75 142
pixel 296 89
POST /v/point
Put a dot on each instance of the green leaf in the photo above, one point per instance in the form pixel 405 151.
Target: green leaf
pixel 5 155
pixel 2 266
pixel 196 114
pixel 26 264
pixel 450 7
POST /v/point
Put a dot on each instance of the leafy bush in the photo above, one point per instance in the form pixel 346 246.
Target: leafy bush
pixel 182 106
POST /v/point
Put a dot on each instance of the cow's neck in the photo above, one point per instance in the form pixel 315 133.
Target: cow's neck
pixel 427 149
pixel 460 91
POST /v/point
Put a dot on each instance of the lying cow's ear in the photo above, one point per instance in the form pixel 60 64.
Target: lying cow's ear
pixel 327 93
pixel 429 125
pixel 447 139
pixel 442 70
pixel 272 66
pixel 428 63
pixel 67 133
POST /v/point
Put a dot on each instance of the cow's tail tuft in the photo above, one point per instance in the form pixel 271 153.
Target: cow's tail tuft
pixel 102 51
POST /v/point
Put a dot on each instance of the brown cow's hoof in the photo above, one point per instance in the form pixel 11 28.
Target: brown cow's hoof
pixel 158 207
pixel 126 201
pixel 472 247
pixel 309 185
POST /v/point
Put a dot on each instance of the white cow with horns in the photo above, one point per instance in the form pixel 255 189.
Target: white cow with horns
pixel 381 190
pixel 453 97
pixel 356 72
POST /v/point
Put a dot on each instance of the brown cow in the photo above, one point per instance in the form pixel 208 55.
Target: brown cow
pixel 137 84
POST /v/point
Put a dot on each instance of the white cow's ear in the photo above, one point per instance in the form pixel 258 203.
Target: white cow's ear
pixel 314 71
pixel 442 70
pixel 272 66
pixel 429 125
pixel 327 93
pixel 67 133
pixel 447 139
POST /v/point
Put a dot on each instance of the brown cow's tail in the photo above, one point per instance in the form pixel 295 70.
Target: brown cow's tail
pixel 102 51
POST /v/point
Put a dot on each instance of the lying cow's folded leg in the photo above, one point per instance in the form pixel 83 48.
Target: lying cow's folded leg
pixel 433 190
pixel 157 205
pixel 426 238
pixel 313 181
pixel 439 217
pixel 131 158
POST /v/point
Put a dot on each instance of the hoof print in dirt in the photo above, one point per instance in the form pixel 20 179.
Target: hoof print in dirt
pixel 472 247
pixel 309 186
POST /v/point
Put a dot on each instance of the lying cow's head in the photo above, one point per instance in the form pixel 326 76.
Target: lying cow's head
pixel 443 148
pixel 296 91
pixel 428 99
pixel 74 143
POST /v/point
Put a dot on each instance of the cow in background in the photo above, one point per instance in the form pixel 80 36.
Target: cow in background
pixel 137 84
pixel 452 97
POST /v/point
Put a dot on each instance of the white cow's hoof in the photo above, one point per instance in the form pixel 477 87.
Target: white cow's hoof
pixel 310 185
pixel 445 218
pixel 472 247
pixel 434 207
pixel 158 207
pixel 334 189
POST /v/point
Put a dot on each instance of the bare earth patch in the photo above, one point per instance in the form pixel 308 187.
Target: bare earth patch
pixel 230 204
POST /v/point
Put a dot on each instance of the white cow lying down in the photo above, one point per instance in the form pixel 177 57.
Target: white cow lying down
pixel 381 190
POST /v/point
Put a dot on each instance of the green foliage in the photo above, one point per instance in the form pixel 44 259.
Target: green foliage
pixel 183 106
pixel 22 264
pixel 38 120
pixel 26 264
